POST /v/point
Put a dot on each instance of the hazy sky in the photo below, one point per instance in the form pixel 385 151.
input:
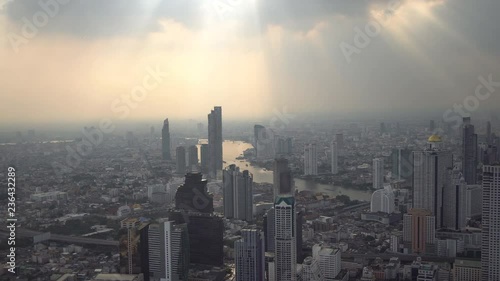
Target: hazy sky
pixel 249 56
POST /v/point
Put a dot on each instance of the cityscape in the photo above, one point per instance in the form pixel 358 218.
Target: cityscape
pixel 246 160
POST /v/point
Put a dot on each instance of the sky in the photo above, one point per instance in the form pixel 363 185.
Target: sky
pixel 84 60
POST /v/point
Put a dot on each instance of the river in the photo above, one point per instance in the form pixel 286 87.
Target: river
pixel 234 149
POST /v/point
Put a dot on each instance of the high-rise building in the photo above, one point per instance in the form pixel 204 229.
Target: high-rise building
pixel 205 156
pixel 215 141
pixel 378 173
pixel 168 251
pixel 455 201
pixel 430 173
pixel 180 158
pixel 383 200
pixel 269 230
pixel 474 200
pixel 282 179
pixel 310 160
pixel 193 195
pixel 193 158
pixel 432 126
pixel 165 141
pixel 419 231
pixel 249 256
pixel 133 248
pixel 469 152
pixel 263 142
pixel 335 158
pixel 329 261
pixel 467 270
pixel 490 244
pixel 206 236
pixel 339 139
pixel 238 197
pixel 488 133
pixel 402 163
pixel 311 270
pixel 285 239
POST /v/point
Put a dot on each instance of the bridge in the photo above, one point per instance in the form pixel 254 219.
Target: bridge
pixel 21 232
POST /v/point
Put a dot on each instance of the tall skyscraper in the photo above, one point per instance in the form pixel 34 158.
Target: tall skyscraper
pixel 490 244
pixel 133 249
pixel 335 158
pixel 310 160
pixel 469 152
pixel 215 141
pixel 402 163
pixel 378 173
pixel 430 173
pixel 419 231
pixel 339 139
pixel 269 230
pixel 488 133
pixel 249 256
pixel 432 126
pixel 168 251
pixel 329 261
pixel 455 201
pixel 193 158
pixel 282 179
pixel 193 195
pixel 165 141
pixel 180 158
pixel 285 239
pixel 238 197
pixel 205 156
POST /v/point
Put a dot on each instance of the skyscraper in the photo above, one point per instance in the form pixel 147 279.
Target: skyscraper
pixel 165 141
pixel 193 195
pixel 249 256
pixel 469 152
pixel 310 160
pixel 329 260
pixel 215 141
pixel 432 126
pixel 490 244
pixel 488 133
pixel 269 230
pixel 335 158
pixel 282 179
pixel 205 156
pixel 193 158
pixel 168 251
pixel 383 201
pixel 419 231
pixel 429 177
pixel 378 173
pixel 238 197
pixel 455 201
pixel 180 158
pixel 402 163
pixel 133 249
pixel 285 239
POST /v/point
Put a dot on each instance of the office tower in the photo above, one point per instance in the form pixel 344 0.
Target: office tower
pixel 329 261
pixel 335 158
pixel 215 141
pixel 282 179
pixel 238 197
pixel 455 201
pixel 419 231
pixel 474 200
pixel 432 126
pixel 310 160
pixel 378 173
pixel 165 141
pixel 168 251
pixel 383 200
pixel 429 177
pixel 205 156
pixel 490 244
pixel 488 133
pixel 193 195
pixel 266 143
pixel 192 158
pixel 133 249
pixel 285 239
pixel 249 256
pixel 469 152
pixel 402 163
pixel 180 158
pixel 206 237
pixel 311 270
pixel 299 219
pixel 339 139
pixel 269 233
pixel 260 137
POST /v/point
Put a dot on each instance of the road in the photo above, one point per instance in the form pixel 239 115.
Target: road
pixel 20 232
